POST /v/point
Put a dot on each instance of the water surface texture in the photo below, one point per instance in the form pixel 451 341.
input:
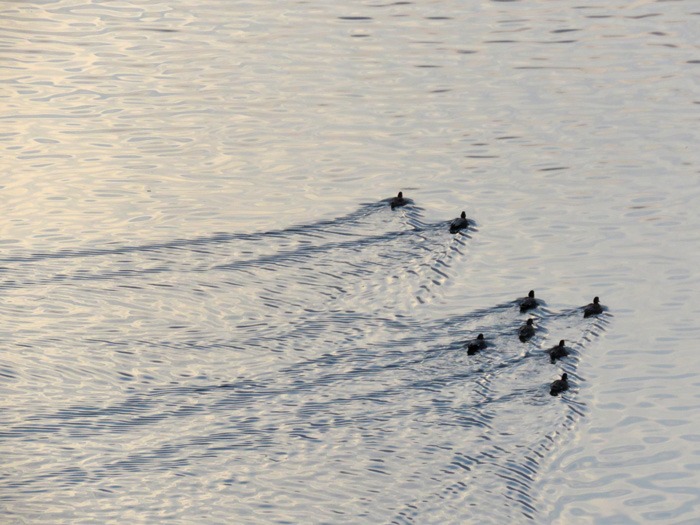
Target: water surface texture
pixel 210 313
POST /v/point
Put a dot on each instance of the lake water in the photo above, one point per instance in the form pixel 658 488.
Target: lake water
pixel 209 313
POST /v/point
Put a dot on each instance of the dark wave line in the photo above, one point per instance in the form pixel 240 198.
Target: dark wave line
pixel 304 252
pixel 217 238
pixel 277 259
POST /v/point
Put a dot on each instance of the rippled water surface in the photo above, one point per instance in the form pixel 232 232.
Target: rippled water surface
pixel 210 313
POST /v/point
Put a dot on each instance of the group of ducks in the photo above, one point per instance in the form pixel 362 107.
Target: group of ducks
pixel 527 331
pixel 460 223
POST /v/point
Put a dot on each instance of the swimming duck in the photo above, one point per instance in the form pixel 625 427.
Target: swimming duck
pixel 593 308
pixel 477 344
pixel 557 352
pixel 529 302
pixel 397 201
pixel 526 331
pixel 560 385
pixel 460 223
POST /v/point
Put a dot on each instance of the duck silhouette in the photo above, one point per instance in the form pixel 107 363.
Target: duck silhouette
pixel 560 385
pixel 557 352
pixel 526 331
pixel 476 345
pixel 397 201
pixel 593 308
pixel 460 223
pixel 529 302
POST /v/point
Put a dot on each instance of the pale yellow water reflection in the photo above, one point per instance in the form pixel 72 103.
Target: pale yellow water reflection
pixel 208 315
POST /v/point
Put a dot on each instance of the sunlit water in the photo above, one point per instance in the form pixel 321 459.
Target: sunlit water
pixel 210 314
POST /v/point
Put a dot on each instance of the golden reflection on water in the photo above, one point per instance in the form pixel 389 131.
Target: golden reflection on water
pixel 143 145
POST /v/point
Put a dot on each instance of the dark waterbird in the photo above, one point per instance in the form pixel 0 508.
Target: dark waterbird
pixel 460 223
pixel 593 308
pixel 397 201
pixel 526 331
pixel 557 352
pixel 529 302
pixel 476 345
pixel 560 385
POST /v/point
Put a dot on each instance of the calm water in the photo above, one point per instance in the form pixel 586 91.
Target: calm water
pixel 208 314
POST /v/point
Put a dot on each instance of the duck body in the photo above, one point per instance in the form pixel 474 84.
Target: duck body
pixel 529 302
pixel 397 201
pixel 527 331
pixel 460 223
pixel 559 386
pixel 476 345
pixel 593 308
pixel 557 352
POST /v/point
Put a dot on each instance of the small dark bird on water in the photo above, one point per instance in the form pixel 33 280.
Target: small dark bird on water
pixel 476 345
pixel 560 385
pixel 529 302
pixel 557 352
pixel 397 201
pixel 526 331
pixel 593 308
pixel 460 223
